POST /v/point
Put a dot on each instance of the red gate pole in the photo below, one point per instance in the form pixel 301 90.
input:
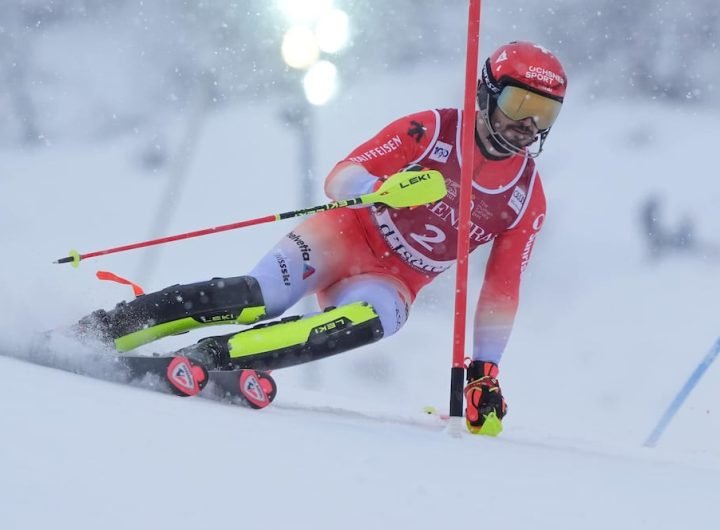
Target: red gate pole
pixel 463 248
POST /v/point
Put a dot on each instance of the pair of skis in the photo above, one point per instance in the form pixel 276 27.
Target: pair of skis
pixel 185 377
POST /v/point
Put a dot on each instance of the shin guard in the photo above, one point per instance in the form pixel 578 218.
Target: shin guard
pixel 296 340
pixel 180 308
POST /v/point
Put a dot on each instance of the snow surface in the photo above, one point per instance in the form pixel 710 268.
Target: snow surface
pixel 603 341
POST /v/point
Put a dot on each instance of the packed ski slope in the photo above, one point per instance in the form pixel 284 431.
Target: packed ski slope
pixel 79 453
pixel 603 341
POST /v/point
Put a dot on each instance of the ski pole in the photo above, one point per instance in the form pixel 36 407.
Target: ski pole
pixel 401 190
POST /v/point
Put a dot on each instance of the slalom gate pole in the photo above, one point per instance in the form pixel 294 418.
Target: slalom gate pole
pixel 401 190
pixel 681 396
pixel 463 248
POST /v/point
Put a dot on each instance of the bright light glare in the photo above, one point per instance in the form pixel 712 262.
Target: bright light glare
pixel 321 82
pixel 333 30
pixel 299 49
pixel 304 11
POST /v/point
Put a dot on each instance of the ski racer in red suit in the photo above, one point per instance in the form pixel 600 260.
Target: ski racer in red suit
pixel 366 265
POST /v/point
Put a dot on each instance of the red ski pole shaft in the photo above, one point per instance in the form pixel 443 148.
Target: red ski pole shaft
pixel 168 239
pixel 75 257
pixel 404 189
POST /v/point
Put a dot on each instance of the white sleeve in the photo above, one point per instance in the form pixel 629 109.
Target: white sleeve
pixel 348 180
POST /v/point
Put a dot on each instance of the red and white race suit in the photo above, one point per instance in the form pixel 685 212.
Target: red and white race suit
pixel 385 256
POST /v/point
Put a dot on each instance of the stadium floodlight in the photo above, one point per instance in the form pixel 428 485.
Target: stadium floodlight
pixel 321 82
pixel 332 30
pixel 299 48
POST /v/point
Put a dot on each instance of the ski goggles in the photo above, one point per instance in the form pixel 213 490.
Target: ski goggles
pixel 519 103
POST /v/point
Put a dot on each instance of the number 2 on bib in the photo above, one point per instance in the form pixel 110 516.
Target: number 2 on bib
pixel 432 235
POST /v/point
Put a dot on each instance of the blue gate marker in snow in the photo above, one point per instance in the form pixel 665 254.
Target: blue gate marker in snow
pixel 682 395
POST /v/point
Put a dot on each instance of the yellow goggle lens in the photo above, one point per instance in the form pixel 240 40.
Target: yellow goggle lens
pixel 518 103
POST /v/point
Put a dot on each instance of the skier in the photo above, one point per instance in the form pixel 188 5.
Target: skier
pixel 367 265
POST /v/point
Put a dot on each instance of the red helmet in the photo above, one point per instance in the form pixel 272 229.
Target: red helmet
pixel 528 65
pixel 524 80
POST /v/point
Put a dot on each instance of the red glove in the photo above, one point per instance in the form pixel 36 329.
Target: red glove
pixel 483 397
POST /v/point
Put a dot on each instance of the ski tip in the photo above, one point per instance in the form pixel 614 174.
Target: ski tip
pixel 185 376
pixel 257 388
